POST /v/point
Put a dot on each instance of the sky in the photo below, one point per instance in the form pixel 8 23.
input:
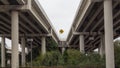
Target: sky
pixel 8 42
pixel 61 14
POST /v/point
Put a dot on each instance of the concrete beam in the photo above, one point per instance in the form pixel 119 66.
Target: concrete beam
pixel 85 37
pixel 54 36
pixel 5 29
pixel 117 0
pixel 69 36
pixel 13 7
pixel 93 18
pixel 5 2
pixel 87 33
pixel 28 21
pixel 70 39
pixel 21 23
pixel 38 19
pixel 83 9
pixel 21 2
pixel 2 32
pixel 24 5
pixel 78 46
pixel 27 35
pixel 90 33
pixel 92 42
pixel 37 41
pixel 114 15
pixel 5 24
pixel 100 20
pixel 97 0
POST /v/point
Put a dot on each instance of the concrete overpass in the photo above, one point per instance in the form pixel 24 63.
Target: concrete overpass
pixel 22 19
pixel 96 24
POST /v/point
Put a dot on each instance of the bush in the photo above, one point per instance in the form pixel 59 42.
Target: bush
pixel 91 59
pixel 71 57
pixel 52 58
pixel 117 53
pixel 75 58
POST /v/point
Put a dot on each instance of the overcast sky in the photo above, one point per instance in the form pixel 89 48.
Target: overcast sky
pixel 61 13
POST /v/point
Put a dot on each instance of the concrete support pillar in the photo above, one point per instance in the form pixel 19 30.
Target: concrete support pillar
pixel 9 62
pixel 43 47
pixel 108 23
pixel 15 39
pixel 81 43
pixel 102 46
pixel 3 52
pixel 63 50
pixel 23 51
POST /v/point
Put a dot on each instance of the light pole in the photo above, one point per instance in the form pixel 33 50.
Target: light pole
pixel 30 40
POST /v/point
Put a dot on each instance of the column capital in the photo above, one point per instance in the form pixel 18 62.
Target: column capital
pixel 14 10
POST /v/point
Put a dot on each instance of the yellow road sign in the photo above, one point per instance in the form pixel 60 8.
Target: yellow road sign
pixel 61 31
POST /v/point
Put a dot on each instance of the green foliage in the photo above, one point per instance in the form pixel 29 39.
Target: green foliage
pixel 0 53
pixel 51 45
pixel 75 58
pixel 93 59
pixel 117 53
pixel 53 58
pixel 71 57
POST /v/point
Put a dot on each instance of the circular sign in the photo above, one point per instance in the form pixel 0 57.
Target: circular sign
pixel 61 31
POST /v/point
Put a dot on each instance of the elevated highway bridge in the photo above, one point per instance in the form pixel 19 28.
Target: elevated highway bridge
pixel 96 24
pixel 21 20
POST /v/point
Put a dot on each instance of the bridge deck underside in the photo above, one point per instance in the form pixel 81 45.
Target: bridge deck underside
pixel 11 2
pixel 94 22
pixel 28 24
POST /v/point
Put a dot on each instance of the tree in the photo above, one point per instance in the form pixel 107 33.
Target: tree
pixel 117 53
